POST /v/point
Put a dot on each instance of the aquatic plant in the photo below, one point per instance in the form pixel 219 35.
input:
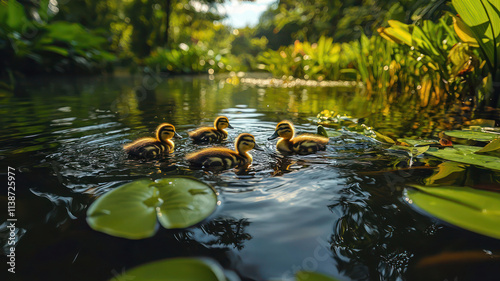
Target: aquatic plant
pixel 478 25
pixel 132 210
pixel 30 46
pixel 196 58
pixel 472 209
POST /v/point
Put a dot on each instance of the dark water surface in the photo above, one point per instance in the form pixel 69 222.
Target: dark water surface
pixel 341 212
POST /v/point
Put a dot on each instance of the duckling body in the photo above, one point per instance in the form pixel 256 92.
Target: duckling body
pixel 209 134
pixel 153 147
pixel 220 157
pixel 303 144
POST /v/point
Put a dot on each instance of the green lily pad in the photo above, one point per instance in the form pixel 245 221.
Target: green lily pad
pixel 418 142
pixel 467 154
pixel 468 208
pixel 312 276
pixel 185 269
pixel 328 133
pixel 472 135
pixel 132 210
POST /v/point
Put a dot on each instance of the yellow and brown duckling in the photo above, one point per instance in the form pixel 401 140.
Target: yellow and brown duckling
pixel 303 144
pixel 154 147
pixel 209 134
pixel 224 158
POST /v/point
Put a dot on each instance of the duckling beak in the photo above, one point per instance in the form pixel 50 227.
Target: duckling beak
pixel 256 147
pixel 229 126
pixel 275 135
pixel 177 136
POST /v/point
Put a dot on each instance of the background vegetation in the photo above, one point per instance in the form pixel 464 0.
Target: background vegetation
pixel 403 49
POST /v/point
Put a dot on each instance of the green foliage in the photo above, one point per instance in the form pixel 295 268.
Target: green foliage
pixel 177 269
pixel 468 155
pixel 312 276
pixel 472 135
pixel 131 211
pixel 472 209
pixel 39 46
pixel 188 59
pixel 319 61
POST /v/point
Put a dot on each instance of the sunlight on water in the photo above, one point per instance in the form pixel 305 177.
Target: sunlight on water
pixel 336 211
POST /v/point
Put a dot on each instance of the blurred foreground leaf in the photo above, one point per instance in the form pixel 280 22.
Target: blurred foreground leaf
pixel 468 208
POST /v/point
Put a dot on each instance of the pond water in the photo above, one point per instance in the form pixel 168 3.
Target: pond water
pixel 340 212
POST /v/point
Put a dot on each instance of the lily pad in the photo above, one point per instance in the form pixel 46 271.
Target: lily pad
pixel 312 276
pixel 467 154
pixel 132 210
pixel 185 269
pixel 468 208
pixel 472 135
pixel 328 133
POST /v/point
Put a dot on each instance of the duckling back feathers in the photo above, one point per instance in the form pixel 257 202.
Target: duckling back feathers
pixel 153 147
pixel 209 134
pixel 224 157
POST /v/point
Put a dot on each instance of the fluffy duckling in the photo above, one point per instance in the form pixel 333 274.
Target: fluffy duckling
pixel 303 144
pixel 209 134
pixel 220 157
pixel 153 147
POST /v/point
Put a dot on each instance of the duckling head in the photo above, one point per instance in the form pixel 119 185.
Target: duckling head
pixel 165 132
pixel 245 142
pixel 221 123
pixel 284 130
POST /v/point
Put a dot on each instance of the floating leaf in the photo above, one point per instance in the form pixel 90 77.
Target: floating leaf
pixel 468 208
pixel 328 133
pixel 418 142
pixel 467 154
pixel 131 210
pixel 413 151
pixel 492 148
pixel 312 276
pixel 185 269
pixel 472 135
pixel 383 138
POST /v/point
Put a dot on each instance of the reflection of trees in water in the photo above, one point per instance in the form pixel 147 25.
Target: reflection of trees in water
pixel 222 232
pixel 376 237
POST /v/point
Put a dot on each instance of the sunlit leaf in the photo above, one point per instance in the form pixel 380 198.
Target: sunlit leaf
pixel 383 138
pixel 131 210
pixel 16 16
pixel 463 31
pixel 471 209
pixel 400 31
pixel 493 148
pixel 186 269
pixel 472 135
pixel 467 154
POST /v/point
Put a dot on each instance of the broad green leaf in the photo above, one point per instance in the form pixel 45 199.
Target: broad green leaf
pixel 185 269
pixel 492 148
pixel 123 212
pixel 16 16
pixel 483 19
pixel 472 135
pixel 400 31
pixel 467 154
pixel 418 142
pixel 131 210
pixel 468 208
pixel 413 151
pixel 312 276
pixel 463 31
pixel 185 202
pixel 383 138
pixel 328 133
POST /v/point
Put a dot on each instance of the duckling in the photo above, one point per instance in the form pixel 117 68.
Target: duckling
pixel 303 144
pixel 220 157
pixel 209 134
pixel 153 147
